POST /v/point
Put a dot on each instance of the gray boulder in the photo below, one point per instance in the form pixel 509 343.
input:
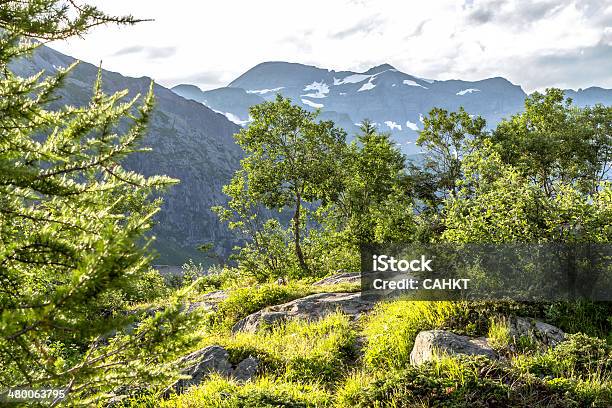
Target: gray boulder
pixel 201 363
pixel 431 343
pixel 345 277
pixel 246 369
pixel 309 308
pixel 213 359
pixel 542 333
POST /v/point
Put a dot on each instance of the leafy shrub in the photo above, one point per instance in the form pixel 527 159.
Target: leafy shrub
pixel 219 278
pixel 592 318
pixel 468 381
pixel 579 356
pixel 148 287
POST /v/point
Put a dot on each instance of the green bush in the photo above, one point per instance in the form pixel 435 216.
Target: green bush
pixel 579 356
pixel 468 381
pixel 592 318
pixel 217 278
pixel 150 286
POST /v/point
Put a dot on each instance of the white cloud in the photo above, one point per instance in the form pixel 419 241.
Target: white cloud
pixel 468 40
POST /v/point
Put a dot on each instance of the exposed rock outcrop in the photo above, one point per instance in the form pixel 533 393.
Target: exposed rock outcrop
pixel 431 343
pixel 209 301
pixel 310 308
pixel 345 277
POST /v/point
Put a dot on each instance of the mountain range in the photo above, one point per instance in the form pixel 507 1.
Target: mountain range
pixel 394 100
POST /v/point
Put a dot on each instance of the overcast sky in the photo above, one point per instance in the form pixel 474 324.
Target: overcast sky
pixel 540 44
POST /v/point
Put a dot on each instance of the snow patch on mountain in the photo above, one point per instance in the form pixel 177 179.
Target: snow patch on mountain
pixel 352 79
pixel 313 104
pixel 411 125
pixel 410 82
pixel 392 125
pixel 321 90
pixel 264 91
pixel 467 91
pixel 367 86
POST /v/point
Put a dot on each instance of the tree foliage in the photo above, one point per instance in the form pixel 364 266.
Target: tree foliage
pixel 291 163
pixel 72 220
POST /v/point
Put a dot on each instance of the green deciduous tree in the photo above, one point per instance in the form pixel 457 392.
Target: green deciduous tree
pixel 373 193
pixel 291 165
pixel 72 221
pixel 540 176
pixel 447 138
pixel 554 142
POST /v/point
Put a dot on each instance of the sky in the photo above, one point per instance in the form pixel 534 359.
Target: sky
pixel 535 44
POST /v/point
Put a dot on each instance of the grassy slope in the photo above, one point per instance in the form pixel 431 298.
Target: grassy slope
pixel 320 364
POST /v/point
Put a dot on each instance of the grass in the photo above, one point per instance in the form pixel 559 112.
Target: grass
pixel 243 301
pixel 393 326
pixel 320 351
pixel 266 392
pixel 499 334
pixel 579 356
pixel 317 364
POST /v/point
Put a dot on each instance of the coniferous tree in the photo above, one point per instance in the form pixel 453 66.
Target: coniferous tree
pixel 72 221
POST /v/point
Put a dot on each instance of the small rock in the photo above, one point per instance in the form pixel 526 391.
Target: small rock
pixel 246 369
pixel 428 344
pixel 544 333
pixel 347 277
pixel 201 363
pixel 310 308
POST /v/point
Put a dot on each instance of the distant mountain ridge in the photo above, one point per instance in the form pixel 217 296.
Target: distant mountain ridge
pixel 189 142
pixel 394 100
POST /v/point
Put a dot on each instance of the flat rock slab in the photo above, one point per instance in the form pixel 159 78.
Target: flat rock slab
pixel 309 308
pixel 432 343
pixel 208 301
pixel 348 277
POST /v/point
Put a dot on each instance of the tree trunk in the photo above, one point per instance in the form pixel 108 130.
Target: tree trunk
pixel 296 232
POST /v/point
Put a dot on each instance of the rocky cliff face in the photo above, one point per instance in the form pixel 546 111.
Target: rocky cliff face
pixel 189 141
